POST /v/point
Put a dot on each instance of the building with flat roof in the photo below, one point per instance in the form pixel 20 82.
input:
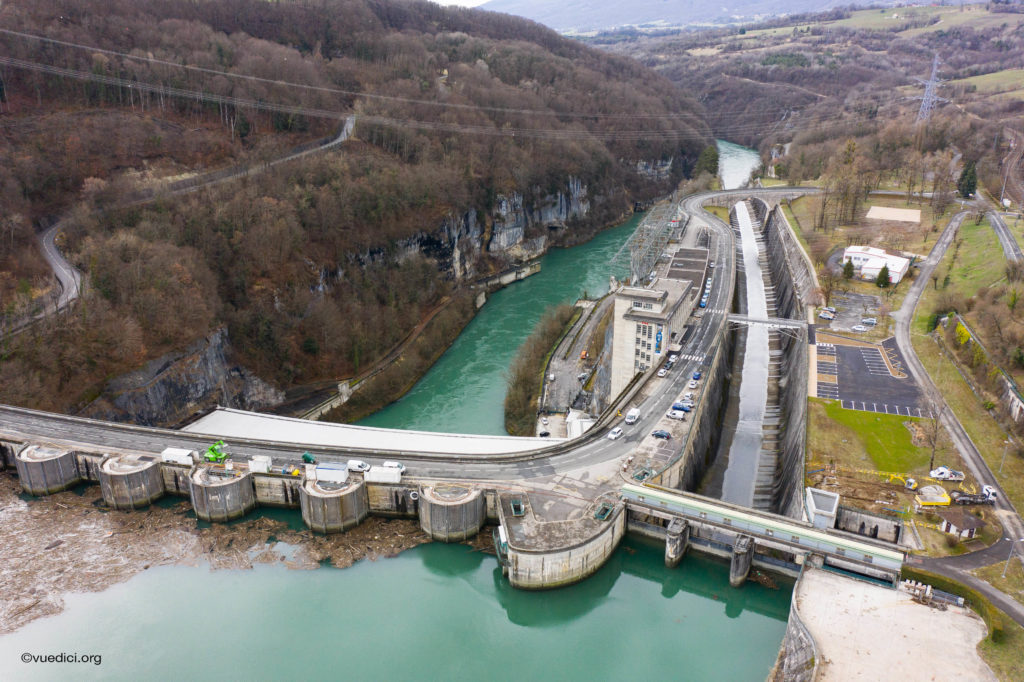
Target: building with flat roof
pixel 647 320
pixel 869 261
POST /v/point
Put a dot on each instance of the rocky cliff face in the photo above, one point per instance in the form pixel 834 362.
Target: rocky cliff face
pixel 170 388
pixel 514 215
pixel 509 234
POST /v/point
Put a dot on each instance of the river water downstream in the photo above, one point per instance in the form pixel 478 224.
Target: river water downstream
pixel 436 611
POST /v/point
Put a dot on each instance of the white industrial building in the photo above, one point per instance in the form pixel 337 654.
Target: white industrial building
pixel 649 320
pixel 869 261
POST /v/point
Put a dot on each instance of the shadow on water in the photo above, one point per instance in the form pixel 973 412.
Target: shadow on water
pixel 696 575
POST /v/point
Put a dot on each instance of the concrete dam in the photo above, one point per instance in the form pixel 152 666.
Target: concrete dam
pixel 559 508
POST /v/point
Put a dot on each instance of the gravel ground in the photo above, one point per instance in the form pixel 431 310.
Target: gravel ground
pixel 71 542
pixel 869 632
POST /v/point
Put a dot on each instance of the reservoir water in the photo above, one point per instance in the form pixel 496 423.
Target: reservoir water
pixel 436 611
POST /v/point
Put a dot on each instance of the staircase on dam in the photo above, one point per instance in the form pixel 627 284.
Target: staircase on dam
pixel 758 459
pixel 767 465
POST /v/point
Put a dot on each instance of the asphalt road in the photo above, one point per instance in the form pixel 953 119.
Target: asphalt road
pixel 904 316
pixel 1011 249
pixel 70 279
pixel 90 435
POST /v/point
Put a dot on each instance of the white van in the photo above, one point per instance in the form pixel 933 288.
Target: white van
pixel 633 416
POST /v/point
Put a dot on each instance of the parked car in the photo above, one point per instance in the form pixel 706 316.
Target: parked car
pixel 703 303
pixel 394 465
pixel 944 473
pixel 696 376
pixel 615 433
pixel 672 357
pixel 711 264
pixel 869 321
pixel 676 414
pixel 688 396
pixel 664 435
pixel 662 372
pixel 681 407
pixel 826 315
pixel 859 328
pixel 544 421
pixel 543 434
pixel 830 309
pixel 692 384
pixel 358 465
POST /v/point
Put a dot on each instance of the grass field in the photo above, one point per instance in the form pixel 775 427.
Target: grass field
pixel 1000 81
pixel 864 438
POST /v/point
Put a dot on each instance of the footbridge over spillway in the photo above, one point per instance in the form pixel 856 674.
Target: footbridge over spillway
pixel 749 537
pixel 560 507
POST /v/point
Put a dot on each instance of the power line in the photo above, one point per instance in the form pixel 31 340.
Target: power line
pixel 337 91
pixel 506 131
pixel 754 128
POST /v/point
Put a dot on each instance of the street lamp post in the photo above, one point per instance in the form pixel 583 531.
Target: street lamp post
pixel 1013 545
pixel 1006 445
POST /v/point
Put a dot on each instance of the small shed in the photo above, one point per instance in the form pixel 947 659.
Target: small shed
pixel 960 523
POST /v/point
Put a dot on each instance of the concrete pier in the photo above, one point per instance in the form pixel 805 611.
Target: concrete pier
pixel 45 470
pixel 677 540
pixel 742 557
pixel 220 495
pixel 131 481
pixel 451 513
pixel 333 507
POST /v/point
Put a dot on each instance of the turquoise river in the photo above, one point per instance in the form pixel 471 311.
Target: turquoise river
pixel 438 611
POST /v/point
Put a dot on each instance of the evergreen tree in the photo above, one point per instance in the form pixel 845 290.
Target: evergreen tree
pixel 968 181
pixel 707 161
pixel 883 277
pixel 848 269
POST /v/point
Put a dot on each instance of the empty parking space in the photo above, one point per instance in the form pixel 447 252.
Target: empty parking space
pixel 874 361
pixel 883 408
pixel 866 377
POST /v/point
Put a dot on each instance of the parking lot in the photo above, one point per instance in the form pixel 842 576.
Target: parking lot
pixel 851 308
pixel 866 377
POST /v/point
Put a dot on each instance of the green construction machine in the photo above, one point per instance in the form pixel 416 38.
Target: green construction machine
pixel 216 453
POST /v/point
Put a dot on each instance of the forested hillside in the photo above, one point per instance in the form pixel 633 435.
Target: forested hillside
pixel 814 82
pixel 481 140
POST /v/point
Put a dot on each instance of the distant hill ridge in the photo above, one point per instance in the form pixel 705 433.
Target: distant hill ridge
pixel 595 15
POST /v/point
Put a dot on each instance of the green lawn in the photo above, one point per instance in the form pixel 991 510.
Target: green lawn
pixel 999 81
pixel 883 437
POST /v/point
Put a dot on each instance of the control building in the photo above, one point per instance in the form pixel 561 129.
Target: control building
pixel 648 320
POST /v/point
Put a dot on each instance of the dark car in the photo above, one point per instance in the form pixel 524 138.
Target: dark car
pixel 696 376
pixel 682 407
pixel 664 435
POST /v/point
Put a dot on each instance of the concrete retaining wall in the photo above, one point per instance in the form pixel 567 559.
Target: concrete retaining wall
pixel 333 509
pixel 130 482
pixel 46 470
pixel 220 498
pixel 393 500
pixel 277 490
pixel 541 570
pixel 799 654
pixel 687 470
pixel 451 513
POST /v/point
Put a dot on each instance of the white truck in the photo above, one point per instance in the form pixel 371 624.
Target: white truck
pixel 383 474
pixel 179 456
pixel 633 416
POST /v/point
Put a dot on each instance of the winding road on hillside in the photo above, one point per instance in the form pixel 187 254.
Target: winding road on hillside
pixel 955 567
pixel 20 424
pixel 69 278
